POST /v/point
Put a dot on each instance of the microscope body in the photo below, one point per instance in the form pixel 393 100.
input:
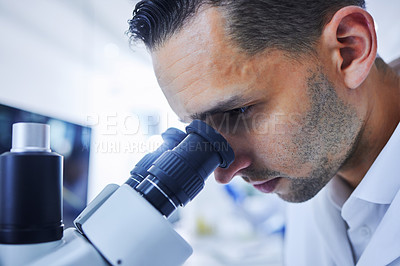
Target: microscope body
pixel 123 225
pixel 118 227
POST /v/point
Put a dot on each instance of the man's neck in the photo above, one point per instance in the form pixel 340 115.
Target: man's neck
pixel 382 119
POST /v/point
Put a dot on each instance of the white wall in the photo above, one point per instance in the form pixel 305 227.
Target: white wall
pixel 387 19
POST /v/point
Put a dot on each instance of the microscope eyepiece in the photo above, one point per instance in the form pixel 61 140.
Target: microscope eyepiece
pixel 171 137
pixel 178 175
pixel 217 141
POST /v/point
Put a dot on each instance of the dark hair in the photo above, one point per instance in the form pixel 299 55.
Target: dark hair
pixel 291 25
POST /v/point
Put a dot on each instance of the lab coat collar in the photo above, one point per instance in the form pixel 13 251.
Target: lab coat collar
pixel 387 234
pixel 381 183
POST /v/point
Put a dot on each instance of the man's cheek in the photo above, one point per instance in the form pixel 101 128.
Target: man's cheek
pixel 295 124
pixel 261 124
pixel 272 125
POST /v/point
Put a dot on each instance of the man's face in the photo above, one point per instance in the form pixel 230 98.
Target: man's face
pixel 287 123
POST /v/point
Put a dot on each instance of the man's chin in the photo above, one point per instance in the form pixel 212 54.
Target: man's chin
pixel 299 190
pixel 295 197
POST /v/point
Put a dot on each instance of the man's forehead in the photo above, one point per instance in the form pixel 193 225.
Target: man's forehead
pixel 186 65
pixel 201 36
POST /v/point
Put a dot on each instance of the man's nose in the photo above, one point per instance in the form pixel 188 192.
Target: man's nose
pixel 225 175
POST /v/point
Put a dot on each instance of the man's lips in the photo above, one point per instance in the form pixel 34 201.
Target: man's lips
pixel 267 186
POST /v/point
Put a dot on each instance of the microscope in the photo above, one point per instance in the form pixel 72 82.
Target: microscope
pixel 123 225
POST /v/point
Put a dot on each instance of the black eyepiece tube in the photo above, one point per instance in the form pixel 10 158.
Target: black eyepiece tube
pixel 177 176
pixel 30 188
pixel 171 137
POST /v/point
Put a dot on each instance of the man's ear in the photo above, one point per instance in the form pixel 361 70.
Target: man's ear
pixel 351 43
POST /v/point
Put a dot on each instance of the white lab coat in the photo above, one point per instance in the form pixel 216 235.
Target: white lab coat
pixel 325 231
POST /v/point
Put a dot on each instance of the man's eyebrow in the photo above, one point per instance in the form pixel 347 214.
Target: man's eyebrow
pixel 221 107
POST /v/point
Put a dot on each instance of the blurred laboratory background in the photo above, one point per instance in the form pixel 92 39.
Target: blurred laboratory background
pixel 68 63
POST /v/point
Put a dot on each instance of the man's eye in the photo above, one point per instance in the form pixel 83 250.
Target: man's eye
pixel 238 111
pixel 231 118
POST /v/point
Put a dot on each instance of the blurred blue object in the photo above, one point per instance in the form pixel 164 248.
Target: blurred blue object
pixel 236 194
pixel 265 212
